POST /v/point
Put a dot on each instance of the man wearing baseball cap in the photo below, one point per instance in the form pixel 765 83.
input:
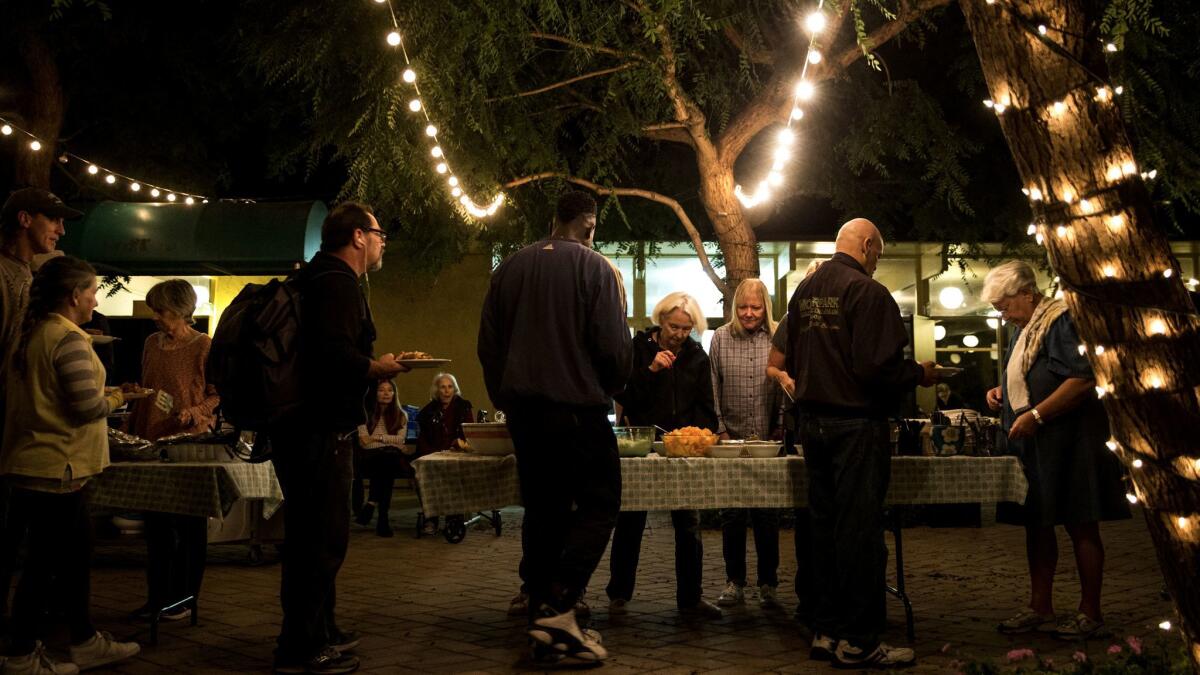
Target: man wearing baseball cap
pixel 30 224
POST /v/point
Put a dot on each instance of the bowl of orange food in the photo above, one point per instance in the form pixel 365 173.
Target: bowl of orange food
pixel 688 442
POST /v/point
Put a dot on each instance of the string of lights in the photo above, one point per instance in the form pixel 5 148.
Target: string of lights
pixel 442 166
pixel 141 189
pixel 804 91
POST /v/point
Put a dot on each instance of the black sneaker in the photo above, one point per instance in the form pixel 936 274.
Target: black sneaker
pixel 344 641
pixel 883 657
pixel 328 662
pixel 562 633
pixel 383 528
pixel 364 513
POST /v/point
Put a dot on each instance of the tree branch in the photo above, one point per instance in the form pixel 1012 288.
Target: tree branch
pixel 764 56
pixel 587 47
pixel 556 85
pixel 773 104
pixel 671 132
pixel 656 197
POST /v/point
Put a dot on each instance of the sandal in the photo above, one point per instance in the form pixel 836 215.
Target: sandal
pixel 1078 627
pixel 1026 621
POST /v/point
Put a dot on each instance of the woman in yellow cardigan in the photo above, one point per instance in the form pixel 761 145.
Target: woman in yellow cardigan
pixel 55 441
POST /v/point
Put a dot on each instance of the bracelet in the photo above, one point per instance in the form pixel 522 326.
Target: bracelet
pixel 1037 416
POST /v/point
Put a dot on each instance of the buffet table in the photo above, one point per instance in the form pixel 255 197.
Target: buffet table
pixel 456 483
pixel 205 489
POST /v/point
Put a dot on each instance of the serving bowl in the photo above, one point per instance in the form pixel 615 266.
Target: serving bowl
pixel 634 441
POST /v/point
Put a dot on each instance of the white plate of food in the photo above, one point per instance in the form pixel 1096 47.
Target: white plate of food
pixel 419 360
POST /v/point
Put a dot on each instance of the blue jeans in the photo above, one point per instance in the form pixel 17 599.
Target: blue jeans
pixel 849 467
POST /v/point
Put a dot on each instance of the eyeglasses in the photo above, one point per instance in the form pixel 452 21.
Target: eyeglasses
pixel 382 235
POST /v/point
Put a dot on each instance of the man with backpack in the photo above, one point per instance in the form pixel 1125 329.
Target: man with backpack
pixel 312 450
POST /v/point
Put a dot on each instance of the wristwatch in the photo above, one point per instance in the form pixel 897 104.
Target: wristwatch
pixel 1037 416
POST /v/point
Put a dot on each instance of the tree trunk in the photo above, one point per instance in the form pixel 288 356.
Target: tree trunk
pixel 1120 280
pixel 43 110
pixel 739 246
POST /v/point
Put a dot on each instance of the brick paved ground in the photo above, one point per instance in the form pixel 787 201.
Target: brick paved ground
pixel 429 606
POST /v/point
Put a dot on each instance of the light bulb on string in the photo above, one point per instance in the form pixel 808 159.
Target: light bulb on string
pixel 456 191
pixel 6 130
pixel 1110 47
pixel 797 114
pixel 805 90
pixel 155 192
pixel 409 75
pixel 814 56
pixel 1112 444
pixel 1058 108
pixel 1115 222
pixel 1137 463
pixel 110 179
pixel 1167 273
pixel 1165 625
pixel 415 105
pixel 93 169
pixel 453 181
pixel 1031 230
pixel 775 178
pixel 189 201
pixel 441 167
pixel 35 145
pixel 136 187
pixel 1042 29
pixel 393 38
pixel 815 23
pixel 786 136
pixel 1119 90
pixel 431 131
pixel 170 196
pixel 1109 271
pixel 436 151
pixel 1131 498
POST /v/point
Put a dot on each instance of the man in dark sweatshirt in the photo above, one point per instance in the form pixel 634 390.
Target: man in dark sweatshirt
pixel 555 347
pixel 846 355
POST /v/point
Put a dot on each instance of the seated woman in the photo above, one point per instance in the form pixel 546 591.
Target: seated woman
pixel 671 387
pixel 173 362
pixel 441 422
pixel 1059 429
pixel 382 456
pixel 55 441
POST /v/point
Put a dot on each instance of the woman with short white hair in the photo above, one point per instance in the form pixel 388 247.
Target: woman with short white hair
pixel 670 387
pixel 441 421
pixel 1058 428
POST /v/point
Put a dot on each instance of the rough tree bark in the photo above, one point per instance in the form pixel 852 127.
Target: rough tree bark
pixel 1121 282
pixel 43 110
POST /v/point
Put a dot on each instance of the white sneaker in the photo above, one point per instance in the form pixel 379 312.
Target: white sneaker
pixel 822 648
pixel 732 595
pixel 768 597
pixel 102 650
pixel 883 656
pixel 37 662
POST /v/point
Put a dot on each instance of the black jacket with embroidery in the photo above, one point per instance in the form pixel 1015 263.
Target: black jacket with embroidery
pixel 846 343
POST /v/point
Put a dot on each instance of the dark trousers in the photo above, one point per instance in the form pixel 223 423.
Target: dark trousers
pixel 766 544
pixel 12 536
pixel 314 470
pixel 571 487
pixel 627 549
pixel 176 550
pixel 58 567
pixel 382 466
pixel 805 588
pixel 849 467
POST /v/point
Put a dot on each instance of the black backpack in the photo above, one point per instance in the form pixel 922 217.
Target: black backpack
pixel 254 359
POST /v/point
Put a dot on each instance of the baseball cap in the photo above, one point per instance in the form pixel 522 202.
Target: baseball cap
pixel 35 200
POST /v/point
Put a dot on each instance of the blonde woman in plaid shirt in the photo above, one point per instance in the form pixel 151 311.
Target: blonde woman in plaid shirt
pixel 748 407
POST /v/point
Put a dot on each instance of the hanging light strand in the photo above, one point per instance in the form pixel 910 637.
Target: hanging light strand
pixel 142 189
pixel 475 209
pixel 814 23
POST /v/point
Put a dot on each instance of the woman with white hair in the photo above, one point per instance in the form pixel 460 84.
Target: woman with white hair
pixel 441 422
pixel 670 387
pixel 1058 428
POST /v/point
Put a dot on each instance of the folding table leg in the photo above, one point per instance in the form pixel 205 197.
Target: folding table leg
pixel 898 590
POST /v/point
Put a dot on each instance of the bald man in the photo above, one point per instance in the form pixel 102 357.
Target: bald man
pixel 845 353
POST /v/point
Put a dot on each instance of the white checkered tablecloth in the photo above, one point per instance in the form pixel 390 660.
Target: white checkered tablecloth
pixel 455 483
pixel 205 489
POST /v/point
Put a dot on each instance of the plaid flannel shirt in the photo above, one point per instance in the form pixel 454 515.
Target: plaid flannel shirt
pixel 747 401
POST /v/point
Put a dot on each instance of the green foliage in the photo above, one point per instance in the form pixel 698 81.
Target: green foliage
pixel 1161 106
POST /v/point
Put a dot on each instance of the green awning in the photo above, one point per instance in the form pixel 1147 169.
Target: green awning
pixel 179 239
